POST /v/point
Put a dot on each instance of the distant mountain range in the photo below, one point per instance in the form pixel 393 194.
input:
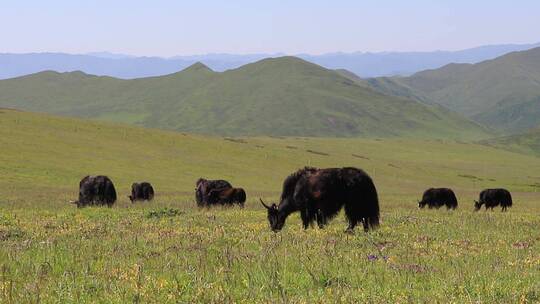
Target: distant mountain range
pixel 129 67
pixel 503 93
pixel 284 96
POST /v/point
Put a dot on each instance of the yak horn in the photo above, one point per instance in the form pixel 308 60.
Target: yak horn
pixel 265 206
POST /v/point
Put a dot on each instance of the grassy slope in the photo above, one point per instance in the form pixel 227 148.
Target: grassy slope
pixel 47 151
pixel 283 96
pixel 502 93
pixel 528 142
pixel 52 252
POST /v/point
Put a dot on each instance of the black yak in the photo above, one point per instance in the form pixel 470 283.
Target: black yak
pixel 438 197
pixel 96 190
pixel 319 194
pixel 141 192
pixel 204 186
pixel 492 198
pixel 227 196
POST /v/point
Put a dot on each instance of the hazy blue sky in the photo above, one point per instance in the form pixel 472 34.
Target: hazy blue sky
pixel 166 28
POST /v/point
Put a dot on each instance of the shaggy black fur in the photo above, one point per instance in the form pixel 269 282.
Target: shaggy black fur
pixel 141 192
pixel 438 197
pixel 96 190
pixel 227 196
pixel 319 195
pixel 492 198
pixel 203 188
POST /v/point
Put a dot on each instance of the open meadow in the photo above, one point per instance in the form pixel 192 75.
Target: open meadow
pixel 169 251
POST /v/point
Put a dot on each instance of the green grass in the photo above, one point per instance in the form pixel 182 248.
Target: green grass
pixel 168 251
pixel 527 142
pixel 279 96
pixel 502 93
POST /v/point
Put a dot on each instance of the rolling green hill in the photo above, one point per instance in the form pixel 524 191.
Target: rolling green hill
pixel 503 93
pixel 283 96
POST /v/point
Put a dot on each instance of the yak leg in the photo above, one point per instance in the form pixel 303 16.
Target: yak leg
pixel 352 213
pixel 366 224
pixel 352 224
pixel 321 219
pixel 305 218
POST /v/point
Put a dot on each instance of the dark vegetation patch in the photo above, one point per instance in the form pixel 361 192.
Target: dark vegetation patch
pixel 521 245
pixel 384 244
pixel 407 219
pixel 13 233
pixel 360 156
pixel 98 231
pixel 317 152
pixel 236 140
pixel 165 212
pixel 470 177
pixel 291 147
pixel 394 166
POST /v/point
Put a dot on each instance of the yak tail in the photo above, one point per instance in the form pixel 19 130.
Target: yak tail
pixel 509 200
pixel 241 195
pixel 373 218
pixel 364 204
pixel 110 193
pixel 151 194
pixel 372 200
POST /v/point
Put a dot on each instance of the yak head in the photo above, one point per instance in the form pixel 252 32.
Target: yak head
pixel 477 205
pixel 199 181
pixel 131 198
pixel 421 204
pixel 275 218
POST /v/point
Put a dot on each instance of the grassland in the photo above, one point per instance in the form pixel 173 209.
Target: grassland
pixel 527 142
pixel 168 251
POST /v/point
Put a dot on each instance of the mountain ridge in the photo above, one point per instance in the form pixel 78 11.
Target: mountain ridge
pixel 365 64
pixel 285 96
pixel 501 93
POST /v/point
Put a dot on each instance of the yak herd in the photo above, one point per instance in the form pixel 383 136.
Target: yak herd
pixel 318 194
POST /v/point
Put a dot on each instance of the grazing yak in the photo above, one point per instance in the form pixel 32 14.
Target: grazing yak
pixel 203 188
pixel 96 190
pixel 227 196
pixel 438 197
pixel 492 198
pixel 319 194
pixel 141 192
